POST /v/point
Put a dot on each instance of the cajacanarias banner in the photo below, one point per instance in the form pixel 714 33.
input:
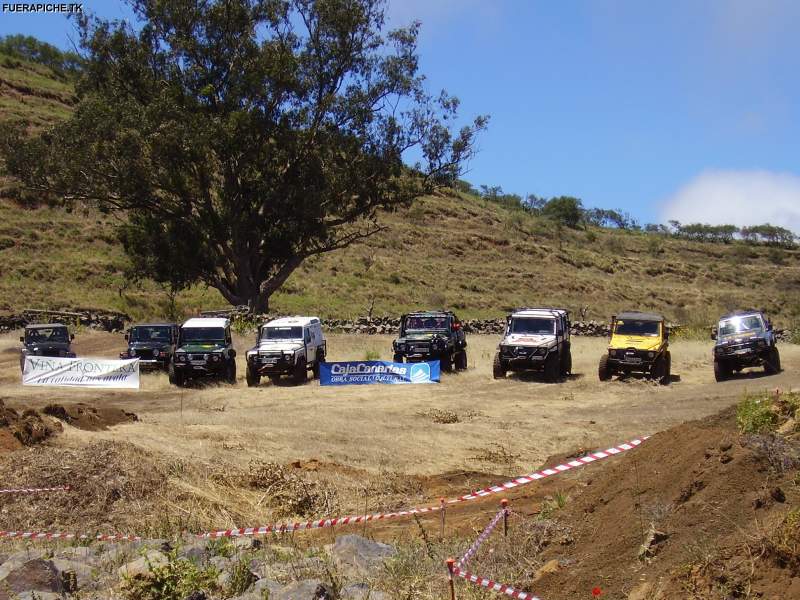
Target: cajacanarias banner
pixel 81 372
pixel 377 371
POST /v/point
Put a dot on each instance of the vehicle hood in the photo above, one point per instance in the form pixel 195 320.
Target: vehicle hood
pixel 47 346
pixel 529 339
pixel 639 342
pixel 738 338
pixel 194 347
pixel 147 346
pixel 278 345
pixel 423 336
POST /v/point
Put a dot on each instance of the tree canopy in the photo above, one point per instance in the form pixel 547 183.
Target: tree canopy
pixel 240 137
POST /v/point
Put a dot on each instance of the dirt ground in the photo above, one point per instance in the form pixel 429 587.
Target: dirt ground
pixel 503 427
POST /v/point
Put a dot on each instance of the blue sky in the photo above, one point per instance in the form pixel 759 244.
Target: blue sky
pixel 687 110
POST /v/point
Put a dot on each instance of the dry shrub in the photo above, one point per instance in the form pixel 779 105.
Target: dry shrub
pixel 288 493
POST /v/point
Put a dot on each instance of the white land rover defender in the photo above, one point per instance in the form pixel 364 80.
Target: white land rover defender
pixel 535 339
pixel 291 346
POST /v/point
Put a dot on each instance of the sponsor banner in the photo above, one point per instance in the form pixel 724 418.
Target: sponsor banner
pixel 377 371
pixel 81 372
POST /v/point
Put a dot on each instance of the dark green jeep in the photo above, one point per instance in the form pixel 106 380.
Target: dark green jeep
pixel 205 350
pixel 431 335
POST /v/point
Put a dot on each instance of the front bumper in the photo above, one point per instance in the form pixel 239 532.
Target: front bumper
pixel 633 360
pixel 206 369
pixel 742 355
pixel 269 365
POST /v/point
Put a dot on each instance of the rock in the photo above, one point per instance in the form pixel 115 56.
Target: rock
pixel 551 566
pixel 777 494
pixel 356 555
pixel 141 566
pixel 34 575
pixel 81 573
pixel 299 590
pixel 788 426
pixel 220 562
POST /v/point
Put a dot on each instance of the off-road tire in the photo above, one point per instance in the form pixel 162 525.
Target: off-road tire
pixel 461 361
pixel 230 372
pixel 566 364
pixel 446 362
pixel 398 358
pixel 666 373
pixel 253 379
pixel 180 379
pixel 300 373
pixel 498 371
pixel 603 370
pixel 315 366
pixel 721 371
pixel 772 365
pixel 552 368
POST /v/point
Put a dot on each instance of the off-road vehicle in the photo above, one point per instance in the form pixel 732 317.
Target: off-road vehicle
pixel 639 344
pixel 744 339
pixel 153 344
pixel 287 346
pixel 535 339
pixel 431 335
pixel 205 350
pixel 46 339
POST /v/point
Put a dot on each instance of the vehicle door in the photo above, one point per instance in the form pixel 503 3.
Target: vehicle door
pixel 310 344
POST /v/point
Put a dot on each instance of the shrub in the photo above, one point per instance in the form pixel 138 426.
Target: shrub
pixel 174 580
pixel 754 414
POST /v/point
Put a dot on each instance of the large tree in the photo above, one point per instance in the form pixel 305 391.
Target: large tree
pixel 246 135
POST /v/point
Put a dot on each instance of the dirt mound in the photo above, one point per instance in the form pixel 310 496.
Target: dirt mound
pixel 692 513
pixel 25 429
pixel 89 418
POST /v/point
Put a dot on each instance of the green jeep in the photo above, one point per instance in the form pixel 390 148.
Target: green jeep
pixel 205 350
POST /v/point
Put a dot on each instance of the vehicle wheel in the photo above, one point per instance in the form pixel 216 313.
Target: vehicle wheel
pixel 666 369
pixel 772 365
pixel 230 372
pixel 566 366
pixel 315 366
pixel 552 368
pixel 253 378
pixel 604 371
pixel 461 361
pixel 180 379
pixel 300 374
pixel 398 358
pixel 721 371
pixel 498 370
pixel 446 362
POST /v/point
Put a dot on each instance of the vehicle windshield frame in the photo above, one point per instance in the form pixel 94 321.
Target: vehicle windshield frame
pixel 207 340
pixel 267 328
pixel 448 323
pixel 61 339
pixel 738 330
pixel 639 326
pixel 133 335
pixel 551 322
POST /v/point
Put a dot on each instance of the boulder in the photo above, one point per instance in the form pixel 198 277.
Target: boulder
pixel 355 555
pixel 141 565
pixel 35 575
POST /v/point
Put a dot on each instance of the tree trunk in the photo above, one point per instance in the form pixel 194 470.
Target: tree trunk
pixel 258 304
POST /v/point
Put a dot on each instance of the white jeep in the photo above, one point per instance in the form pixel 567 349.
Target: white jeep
pixel 291 346
pixel 535 339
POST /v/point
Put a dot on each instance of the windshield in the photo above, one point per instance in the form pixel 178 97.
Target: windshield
pixel 647 328
pixel 50 334
pixel 158 335
pixel 282 333
pixel 540 326
pixel 203 334
pixel 422 323
pixel 740 325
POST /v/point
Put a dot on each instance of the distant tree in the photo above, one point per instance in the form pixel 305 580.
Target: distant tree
pixel 31 49
pixel 252 134
pixel 534 203
pixel 565 210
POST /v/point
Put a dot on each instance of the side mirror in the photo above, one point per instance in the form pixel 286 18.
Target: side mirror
pixel 713 333
pixel 666 333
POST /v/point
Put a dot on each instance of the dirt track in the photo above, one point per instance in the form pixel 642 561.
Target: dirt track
pixel 504 427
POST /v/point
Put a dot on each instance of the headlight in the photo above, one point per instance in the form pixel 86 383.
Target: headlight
pixel 251 354
pixel 401 347
pixel 612 352
pixel 155 353
pixel 761 343
pixel 214 357
pixel 288 353
pixel 651 355
pixel 180 357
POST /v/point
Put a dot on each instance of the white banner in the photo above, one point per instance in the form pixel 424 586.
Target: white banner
pixel 81 372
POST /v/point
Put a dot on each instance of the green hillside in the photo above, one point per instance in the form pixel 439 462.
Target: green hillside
pixel 458 251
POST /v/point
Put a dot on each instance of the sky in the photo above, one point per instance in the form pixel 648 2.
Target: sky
pixel 686 110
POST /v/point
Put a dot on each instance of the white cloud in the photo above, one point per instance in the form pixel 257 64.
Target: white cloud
pixel 737 198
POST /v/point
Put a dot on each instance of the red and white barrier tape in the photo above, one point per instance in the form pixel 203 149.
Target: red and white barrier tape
pixel 45 535
pixel 60 488
pixel 322 523
pixel 494 586
pixel 462 562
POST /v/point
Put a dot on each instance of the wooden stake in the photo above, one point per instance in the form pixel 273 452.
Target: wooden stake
pixel 450 563
pixel 504 504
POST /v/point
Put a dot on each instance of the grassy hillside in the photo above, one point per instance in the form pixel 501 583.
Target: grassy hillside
pixel 457 251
